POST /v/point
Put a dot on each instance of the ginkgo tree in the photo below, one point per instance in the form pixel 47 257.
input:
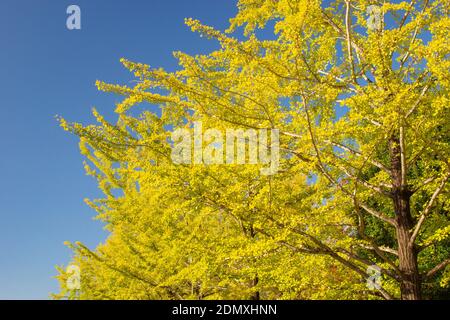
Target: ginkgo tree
pixel 362 107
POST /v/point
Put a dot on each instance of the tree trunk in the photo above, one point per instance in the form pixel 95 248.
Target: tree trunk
pixel 410 283
pixel 255 295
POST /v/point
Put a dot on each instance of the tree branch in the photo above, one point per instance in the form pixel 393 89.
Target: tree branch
pixel 348 23
pixel 321 168
pixel 358 153
pixel 437 268
pixel 428 208
pixel 417 102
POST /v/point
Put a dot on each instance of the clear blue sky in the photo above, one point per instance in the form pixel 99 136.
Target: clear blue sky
pixel 47 70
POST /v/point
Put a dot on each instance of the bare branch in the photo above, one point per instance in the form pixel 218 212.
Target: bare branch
pixel 321 168
pixel 375 247
pixel 297 154
pixel 374 122
pixel 322 248
pixel 339 30
pixel 424 183
pixel 438 268
pixel 377 214
pixel 428 208
pixel 349 40
pixel 358 153
pixel 384 249
pixel 369 263
pixel 402 156
pixel 413 39
pixel 365 183
pixel 405 16
pixel 416 104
